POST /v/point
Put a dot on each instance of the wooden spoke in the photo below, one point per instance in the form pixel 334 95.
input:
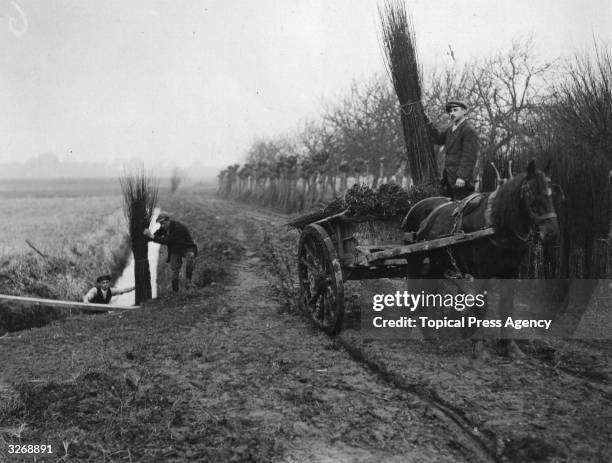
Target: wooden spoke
pixel 308 264
pixel 320 278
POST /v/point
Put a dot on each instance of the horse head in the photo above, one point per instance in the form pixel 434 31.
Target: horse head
pixel 538 201
pixel 525 203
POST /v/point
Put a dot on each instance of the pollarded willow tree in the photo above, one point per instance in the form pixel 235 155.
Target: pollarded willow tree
pixel 139 201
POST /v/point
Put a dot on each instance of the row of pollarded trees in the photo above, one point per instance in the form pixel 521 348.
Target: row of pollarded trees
pixel 290 183
pixel 357 140
pixel 522 108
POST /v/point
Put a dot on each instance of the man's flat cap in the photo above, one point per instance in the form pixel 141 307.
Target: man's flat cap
pixel 101 278
pixel 456 104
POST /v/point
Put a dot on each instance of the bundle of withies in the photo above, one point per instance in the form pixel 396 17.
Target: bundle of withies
pixel 390 200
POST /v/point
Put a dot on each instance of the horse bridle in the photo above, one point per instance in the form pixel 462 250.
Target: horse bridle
pixel 528 196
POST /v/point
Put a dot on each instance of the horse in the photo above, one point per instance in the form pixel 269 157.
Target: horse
pixel 519 206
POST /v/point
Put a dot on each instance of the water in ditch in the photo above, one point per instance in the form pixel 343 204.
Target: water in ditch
pixel 127 276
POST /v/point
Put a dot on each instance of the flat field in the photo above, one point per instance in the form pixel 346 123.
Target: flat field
pixel 59 188
pixel 79 233
pixel 56 214
pixel 53 224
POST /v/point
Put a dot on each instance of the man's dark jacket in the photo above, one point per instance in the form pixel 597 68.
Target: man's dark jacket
pixel 461 148
pixel 177 238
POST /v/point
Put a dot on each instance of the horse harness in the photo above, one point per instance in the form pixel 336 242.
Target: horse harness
pixel 526 195
pixel 474 200
pixel 460 211
pixel 463 205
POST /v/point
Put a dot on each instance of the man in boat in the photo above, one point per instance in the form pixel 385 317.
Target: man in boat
pixel 102 293
pixel 460 143
pixel 176 236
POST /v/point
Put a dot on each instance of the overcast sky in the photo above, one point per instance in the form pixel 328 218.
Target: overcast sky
pixel 184 80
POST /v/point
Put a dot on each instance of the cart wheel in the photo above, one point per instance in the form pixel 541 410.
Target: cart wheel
pixel 321 278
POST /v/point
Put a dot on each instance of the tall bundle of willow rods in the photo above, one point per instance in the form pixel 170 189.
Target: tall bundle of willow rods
pixel 398 43
pixel 139 200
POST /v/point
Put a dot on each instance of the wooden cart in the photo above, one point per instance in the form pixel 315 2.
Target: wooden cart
pixel 332 250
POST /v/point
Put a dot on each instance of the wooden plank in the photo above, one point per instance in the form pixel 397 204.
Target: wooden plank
pixel 370 248
pixel 389 262
pixel 423 246
pixel 66 304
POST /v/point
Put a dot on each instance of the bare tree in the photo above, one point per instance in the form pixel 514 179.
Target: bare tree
pixel 581 131
pixel 321 154
pixel 366 122
pixel 506 95
pixel 509 90
pixel 587 94
pixel 175 179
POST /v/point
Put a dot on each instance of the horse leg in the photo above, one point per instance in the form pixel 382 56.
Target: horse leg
pixel 506 309
pixel 480 351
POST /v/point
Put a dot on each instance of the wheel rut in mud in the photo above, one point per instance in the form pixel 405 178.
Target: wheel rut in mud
pixel 464 435
pixel 551 405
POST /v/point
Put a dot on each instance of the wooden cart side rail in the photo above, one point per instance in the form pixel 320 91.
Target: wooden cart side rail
pixel 66 304
pixel 401 251
pixel 344 217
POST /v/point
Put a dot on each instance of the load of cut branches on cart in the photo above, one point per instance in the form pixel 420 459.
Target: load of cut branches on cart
pixel 388 201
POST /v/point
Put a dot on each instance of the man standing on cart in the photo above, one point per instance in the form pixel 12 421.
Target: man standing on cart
pixel 460 142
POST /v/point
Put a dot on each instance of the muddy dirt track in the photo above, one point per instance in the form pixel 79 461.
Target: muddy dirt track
pixel 232 371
